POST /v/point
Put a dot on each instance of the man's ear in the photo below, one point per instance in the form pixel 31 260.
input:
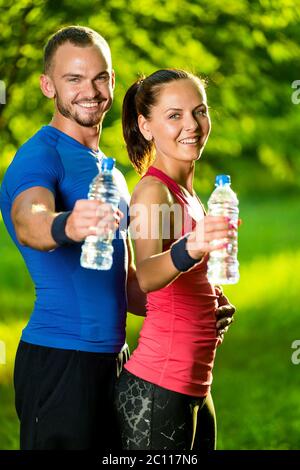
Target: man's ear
pixel 47 86
pixel 144 127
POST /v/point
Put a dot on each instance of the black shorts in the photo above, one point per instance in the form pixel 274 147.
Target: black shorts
pixel 64 398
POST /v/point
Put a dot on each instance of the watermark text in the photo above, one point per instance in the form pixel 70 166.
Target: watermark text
pixel 295 358
pixel 296 94
pixel 2 352
pixel 2 92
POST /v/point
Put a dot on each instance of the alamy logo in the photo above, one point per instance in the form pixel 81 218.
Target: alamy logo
pixel 2 353
pixel 2 92
pixel 296 354
pixel 296 95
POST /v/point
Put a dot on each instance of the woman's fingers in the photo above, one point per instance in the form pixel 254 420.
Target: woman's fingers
pixel 211 233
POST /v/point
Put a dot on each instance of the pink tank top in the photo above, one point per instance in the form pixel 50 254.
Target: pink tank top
pixel 178 340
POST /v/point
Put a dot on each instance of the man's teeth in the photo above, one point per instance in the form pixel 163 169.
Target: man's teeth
pixel 190 141
pixel 89 105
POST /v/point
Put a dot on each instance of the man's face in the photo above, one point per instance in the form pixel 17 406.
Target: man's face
pixel 83 82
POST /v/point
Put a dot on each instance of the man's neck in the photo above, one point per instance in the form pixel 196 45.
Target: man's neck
pixel 88 136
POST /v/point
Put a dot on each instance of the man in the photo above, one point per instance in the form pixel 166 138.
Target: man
pixel 66 363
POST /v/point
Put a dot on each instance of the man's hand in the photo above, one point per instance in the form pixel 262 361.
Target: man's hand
pixel 91 217
pixel 224 313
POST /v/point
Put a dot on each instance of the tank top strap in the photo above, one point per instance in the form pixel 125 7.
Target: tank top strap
pixel 169 182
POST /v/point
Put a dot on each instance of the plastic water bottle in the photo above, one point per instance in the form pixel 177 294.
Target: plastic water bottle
pixel 97 251
pixel 223 266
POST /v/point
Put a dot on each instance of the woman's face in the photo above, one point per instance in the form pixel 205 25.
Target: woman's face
pixel 179 122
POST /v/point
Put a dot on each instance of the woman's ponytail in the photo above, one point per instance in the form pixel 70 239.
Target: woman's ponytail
pixel 139 149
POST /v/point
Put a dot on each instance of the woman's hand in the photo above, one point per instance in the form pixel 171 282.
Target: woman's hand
pixel 211 233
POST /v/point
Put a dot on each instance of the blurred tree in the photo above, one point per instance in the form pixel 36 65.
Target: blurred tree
pixel 248 51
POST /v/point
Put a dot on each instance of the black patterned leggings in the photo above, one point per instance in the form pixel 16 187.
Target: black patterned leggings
pixel 152 417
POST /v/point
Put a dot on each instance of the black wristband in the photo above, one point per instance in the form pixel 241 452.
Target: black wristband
pixel 58 229
pixel 180 257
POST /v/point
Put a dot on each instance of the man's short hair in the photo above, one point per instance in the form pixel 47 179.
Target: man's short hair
pixel 80 36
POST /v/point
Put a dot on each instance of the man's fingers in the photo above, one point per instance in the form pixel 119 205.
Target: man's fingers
pixel 224 316
pixel 92 217
pixel 119 213
pixel 89 208
pixel 87 204
pixel 224 323
pixel 225 311
pixel 104 208
pixel 223 300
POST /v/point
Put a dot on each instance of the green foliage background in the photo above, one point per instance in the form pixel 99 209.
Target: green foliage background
pixel 249 53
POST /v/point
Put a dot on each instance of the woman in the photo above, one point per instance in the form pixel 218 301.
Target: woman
pixel 163 396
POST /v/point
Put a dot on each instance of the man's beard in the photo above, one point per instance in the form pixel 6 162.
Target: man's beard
pixel 90 121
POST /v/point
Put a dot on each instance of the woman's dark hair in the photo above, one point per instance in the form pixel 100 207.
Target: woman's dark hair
pixel 80 36
pixel 139 99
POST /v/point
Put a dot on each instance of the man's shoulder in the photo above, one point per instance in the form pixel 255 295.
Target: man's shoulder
pixel 121 184
pixel 39 142
pixel 37 152
pixel 35 157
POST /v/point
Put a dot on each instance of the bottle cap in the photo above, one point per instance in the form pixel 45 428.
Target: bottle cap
pixel 222 179
pixel 107 164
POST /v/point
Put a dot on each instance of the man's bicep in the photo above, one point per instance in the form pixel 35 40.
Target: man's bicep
pixel 31 202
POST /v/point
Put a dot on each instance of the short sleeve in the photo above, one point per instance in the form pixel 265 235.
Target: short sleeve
pixel 124 198
pixel 37 165
pixel 122 185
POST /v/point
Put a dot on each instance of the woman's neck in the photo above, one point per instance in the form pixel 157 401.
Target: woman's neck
pixel 181 172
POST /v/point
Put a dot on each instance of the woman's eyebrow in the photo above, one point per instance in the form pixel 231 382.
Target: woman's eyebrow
pixel 173 109
pixel 180 109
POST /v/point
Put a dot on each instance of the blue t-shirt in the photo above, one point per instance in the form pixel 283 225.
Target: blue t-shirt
pixel 75 308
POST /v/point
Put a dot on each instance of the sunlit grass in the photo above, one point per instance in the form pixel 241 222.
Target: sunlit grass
pixel 256 385
pixel 9 334
pixel 267 280
pixel 9 429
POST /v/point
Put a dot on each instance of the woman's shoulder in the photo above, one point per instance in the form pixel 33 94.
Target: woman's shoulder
pixel 151 189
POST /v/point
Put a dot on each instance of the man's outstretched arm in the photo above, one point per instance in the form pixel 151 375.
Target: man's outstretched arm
pixel 33 213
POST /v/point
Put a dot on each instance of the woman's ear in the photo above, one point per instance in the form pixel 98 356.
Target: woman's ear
pixel 144 127
pixel 47 86
pixel 113 79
